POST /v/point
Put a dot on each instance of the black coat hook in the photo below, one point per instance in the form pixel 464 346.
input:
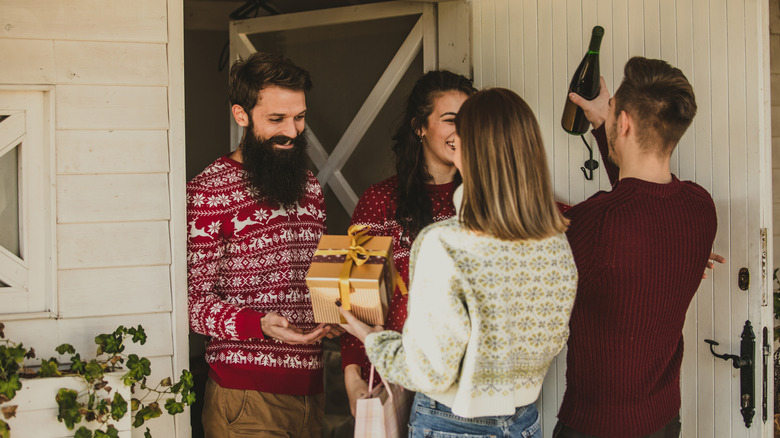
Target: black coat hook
pixel 589 165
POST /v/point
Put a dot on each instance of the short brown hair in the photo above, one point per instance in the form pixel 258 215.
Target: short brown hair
pixel 507 191
pixel 248 77
pixel 659 98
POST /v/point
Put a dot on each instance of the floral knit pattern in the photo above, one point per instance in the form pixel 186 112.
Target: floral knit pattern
pixel 245 259
pixel 486 319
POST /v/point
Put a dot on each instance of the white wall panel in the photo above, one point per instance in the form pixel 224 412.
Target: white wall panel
pixel 112 151
pixel 139 289
pixel 110 107
pixel 112 198
pixel 105 245
pixel 102 63
pixel 27 61
pixel 87 20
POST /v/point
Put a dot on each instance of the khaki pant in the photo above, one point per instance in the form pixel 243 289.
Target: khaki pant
pixel 236 413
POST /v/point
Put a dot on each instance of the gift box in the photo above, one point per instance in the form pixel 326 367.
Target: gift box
pixel 356 269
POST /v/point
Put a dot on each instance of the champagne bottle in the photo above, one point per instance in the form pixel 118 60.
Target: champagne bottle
pixel 585 82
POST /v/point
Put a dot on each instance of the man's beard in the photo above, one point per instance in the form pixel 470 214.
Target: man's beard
pixel 277 174
pixel 611 132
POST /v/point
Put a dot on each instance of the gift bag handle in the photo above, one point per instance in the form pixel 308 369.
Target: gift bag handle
pixel 384 382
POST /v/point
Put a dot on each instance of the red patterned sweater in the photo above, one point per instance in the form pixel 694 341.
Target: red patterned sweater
pixel 246 259
pixel 377 208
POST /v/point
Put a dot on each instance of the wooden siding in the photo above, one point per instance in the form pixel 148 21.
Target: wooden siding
pixel 116 68
pixel 719 45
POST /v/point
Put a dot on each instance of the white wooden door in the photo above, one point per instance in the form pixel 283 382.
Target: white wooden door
pixel 533 46
pixel 345 104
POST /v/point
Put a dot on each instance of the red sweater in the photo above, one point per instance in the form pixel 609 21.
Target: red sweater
pixel 377 208
pixel 246 259
pixel 640 250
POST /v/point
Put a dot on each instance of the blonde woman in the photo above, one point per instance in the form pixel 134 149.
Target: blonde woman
pixel 491 288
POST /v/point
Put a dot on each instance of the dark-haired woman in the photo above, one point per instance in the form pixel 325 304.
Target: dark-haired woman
pixel 419 194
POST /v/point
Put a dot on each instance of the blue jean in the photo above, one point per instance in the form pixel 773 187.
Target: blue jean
pixel 435 420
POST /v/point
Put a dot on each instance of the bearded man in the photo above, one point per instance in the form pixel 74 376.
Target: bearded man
pixel 255 217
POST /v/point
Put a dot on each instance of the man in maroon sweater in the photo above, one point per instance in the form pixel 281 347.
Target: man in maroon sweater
pixel 640 250
pixel 255 218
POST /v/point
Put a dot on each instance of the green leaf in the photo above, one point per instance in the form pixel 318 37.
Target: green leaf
pixel 118 407
pixel 93 371
pixel 138 369
pixel 135 404
pixel 49 368
pixel 147 434
pixel 139 335
pixel 2 330
pixel 69 407
pixel 5 429
pixel 111 432
pixel 65 348
pixel 9 387
pixel 77 365
pixel 173 407
pixel 83 432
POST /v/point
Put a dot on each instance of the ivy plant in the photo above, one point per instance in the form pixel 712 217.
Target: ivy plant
pixel 93 405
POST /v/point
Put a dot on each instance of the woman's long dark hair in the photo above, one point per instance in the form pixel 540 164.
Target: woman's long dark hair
pixel 414 205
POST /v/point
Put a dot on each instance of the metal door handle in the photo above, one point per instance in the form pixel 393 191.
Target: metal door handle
pixel 745 362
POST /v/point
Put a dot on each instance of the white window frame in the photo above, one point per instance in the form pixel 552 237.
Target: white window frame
pixel 32 279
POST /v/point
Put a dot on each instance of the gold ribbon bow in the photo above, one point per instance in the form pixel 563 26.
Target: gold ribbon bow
pixel 356 255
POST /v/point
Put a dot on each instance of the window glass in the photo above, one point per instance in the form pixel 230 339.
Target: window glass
pixel 9 201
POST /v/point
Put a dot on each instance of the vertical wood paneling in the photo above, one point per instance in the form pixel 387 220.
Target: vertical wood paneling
pixel 680 23
pixel 476 26
pixel 607 60
pixel 718 63
pixel 574 51
pixel 543 72
pixel 517 23
pixel 652 21
pixel 705 300
pixel 561 77
pixel 590 19
pixel 738 193
pixel 503 47
pixel 758 166
pixel 636 29
pixel 489 43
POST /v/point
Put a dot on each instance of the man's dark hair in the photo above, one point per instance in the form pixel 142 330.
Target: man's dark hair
pixel 659 98
pixel 260 70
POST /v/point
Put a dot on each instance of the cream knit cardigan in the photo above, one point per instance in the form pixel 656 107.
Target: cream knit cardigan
pixel 486 319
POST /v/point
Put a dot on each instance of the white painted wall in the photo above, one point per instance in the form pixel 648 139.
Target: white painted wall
pixel 117 71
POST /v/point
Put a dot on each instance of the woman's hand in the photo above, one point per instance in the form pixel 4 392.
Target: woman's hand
pixel 356 327
pixel 357 388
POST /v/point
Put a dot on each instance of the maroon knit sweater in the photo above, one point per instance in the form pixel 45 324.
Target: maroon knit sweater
pixel 640 250
pixel 377 208
pixel 245 259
